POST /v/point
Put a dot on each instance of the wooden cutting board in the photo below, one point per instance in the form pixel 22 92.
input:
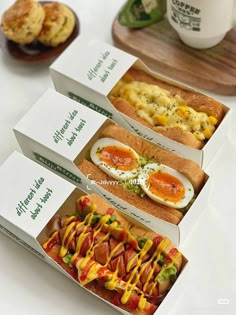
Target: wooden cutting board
pixel 160 48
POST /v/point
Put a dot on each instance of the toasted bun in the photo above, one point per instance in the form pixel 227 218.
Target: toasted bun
pixel 58 24
pixel 23 21
pixel 180 135
pixel 184 116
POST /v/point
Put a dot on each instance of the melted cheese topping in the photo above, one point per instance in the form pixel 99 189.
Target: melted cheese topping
pixel 159 108
pixel 89 269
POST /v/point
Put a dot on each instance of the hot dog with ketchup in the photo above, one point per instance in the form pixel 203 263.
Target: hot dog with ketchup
pixel 129 266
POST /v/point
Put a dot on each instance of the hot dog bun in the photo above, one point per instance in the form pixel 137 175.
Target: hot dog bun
pixel 166 108
pixel 127 265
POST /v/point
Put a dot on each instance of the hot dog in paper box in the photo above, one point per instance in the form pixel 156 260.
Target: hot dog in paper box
pixel 106 252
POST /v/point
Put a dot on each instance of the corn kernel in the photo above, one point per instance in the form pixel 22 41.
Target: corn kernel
pixel 212 120
pixel 160 120
pixel 186 112
pixel 180 113
pixel 183 108
pixel 207 133
pixel 140 106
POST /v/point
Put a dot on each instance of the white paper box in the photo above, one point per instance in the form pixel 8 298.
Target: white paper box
pixel 29 193
pixel 89 69
pixel 25 187
pixel 45 135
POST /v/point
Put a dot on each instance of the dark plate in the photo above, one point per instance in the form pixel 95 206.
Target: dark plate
pixel 35 51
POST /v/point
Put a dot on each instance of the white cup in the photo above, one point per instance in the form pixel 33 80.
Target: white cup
pixel 201 23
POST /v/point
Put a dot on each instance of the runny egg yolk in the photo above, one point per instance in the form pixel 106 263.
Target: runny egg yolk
pixel 166 186
pixel 118 157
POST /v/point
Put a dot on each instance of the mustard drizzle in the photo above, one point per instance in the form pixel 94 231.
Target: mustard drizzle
pixel 114 282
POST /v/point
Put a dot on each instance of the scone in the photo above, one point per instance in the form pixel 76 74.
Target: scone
pixel 58 24
pixel 23 21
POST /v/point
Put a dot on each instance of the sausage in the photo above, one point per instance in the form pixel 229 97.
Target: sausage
pixel 127 265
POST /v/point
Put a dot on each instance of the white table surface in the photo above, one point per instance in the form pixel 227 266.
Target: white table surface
pixel 29 286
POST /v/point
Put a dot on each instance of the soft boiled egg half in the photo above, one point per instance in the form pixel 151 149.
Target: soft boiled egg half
pixel 166 185
pixel 115 158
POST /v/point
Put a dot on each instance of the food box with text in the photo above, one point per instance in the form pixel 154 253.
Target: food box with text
pixel 96 69
pixel 32 196
pixel 58 132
